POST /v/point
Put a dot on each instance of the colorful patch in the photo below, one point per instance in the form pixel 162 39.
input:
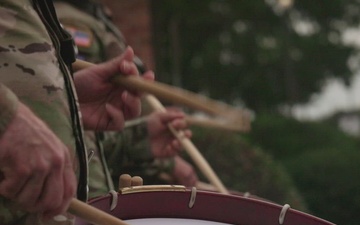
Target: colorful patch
pixel 82 38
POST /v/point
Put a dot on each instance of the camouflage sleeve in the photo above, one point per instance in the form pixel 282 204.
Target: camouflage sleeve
pixel 129 145
pixel 165 165
pixel 137 147
pixel 112 143
pixel 8 106
pixel 127 149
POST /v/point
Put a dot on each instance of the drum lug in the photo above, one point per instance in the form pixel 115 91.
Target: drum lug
pixel 114 199
pixel 283 213
pixel 192 197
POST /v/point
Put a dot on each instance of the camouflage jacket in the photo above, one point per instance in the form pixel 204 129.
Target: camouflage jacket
pixel 32 71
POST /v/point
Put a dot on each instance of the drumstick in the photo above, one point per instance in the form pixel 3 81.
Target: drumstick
pixel 205 186
pixel 190 149
pixel 173 94
pixel 218 124
pixel 136 181
pixel 92 214
pixel 202 122
pixel 124 181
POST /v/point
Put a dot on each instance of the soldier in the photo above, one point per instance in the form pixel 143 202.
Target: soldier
pixel 97 40
pixel 42 154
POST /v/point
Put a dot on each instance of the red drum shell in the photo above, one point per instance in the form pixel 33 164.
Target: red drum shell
pixel 208 206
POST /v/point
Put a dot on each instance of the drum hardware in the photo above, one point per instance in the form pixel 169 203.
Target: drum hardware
pixel 152 188
pixel 91 155
pixel 283 213
pixel 192 197
pixel 114 199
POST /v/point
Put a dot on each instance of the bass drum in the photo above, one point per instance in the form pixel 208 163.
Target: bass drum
pixel 177 205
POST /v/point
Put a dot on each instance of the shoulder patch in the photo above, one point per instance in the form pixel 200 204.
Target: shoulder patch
pixel 82 37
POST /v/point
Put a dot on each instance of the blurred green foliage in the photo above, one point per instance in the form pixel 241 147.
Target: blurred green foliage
pixel 285 137
pixel 322 160
pixel 329 181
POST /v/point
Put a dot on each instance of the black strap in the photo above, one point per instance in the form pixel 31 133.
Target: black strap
pixel 67 49
pixel 47 13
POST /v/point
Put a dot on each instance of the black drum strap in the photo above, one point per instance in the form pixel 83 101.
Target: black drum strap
pixel 63 43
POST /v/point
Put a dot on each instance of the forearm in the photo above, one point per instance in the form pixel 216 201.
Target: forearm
pixel 8 107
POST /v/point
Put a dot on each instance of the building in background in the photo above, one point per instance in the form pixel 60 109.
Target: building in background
pixel 134 20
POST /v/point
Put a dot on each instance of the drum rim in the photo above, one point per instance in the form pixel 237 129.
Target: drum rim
pixel 268 209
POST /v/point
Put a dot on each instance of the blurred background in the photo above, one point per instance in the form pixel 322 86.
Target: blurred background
pixel 294 64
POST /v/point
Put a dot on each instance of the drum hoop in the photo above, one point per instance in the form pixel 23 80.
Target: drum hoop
pixel 210 206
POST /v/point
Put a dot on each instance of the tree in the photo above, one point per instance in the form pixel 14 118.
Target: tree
pixel 321 159
pixel 254 51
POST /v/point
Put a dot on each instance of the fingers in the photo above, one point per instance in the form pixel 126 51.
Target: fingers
pixel 122 64
pixel 31 191
pixel 132 105
pixel 172 118
pixel 128 68
pixel 149 75
pixel 116 121
pixel 127 65
pixel 184 173
pixel 67 182
pixel 13 182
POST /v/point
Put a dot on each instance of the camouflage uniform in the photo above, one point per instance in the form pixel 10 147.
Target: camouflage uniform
pixel 128 151
pixel 32 71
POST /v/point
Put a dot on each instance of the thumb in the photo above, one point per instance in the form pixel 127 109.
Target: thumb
pixel 109 68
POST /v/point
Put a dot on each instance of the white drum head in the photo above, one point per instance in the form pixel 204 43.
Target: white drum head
pixel 172 221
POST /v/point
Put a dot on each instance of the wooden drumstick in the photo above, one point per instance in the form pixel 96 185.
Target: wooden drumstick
pixel 190 149
pixel 205 186
pixel 92 214
pixel 218 124
pixel 173 94
pixel 136 181
pixel 124 181
pixel 202 122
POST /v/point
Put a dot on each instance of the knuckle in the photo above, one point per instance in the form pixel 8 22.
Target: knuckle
pixel 58 160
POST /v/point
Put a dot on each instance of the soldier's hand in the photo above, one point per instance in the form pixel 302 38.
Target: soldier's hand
pixel 184 173
pixel 162 142
pixel 105 105
pixel 36 168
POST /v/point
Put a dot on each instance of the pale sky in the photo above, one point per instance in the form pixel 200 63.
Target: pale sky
pixel 335 97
